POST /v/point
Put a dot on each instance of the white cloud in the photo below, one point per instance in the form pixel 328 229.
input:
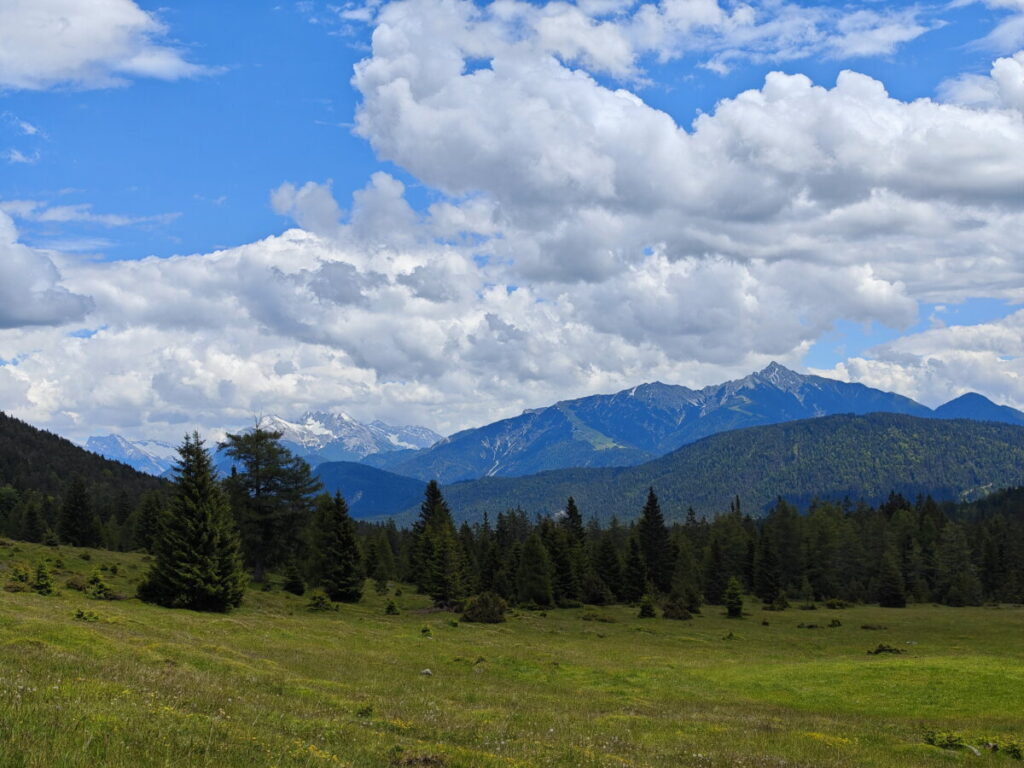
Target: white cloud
pixel 1003 87
pixel 99 44
pixel 39 211
pixel 31 292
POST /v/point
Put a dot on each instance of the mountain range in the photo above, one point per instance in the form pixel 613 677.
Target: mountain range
pixel 316 436
pixel 859 457
pixel 642 423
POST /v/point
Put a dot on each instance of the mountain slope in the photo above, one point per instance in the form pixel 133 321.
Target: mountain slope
pixel 978 408
pixel 862 457
pixel 370 492
pixel 150 456
pixel 637 425
pixel 32 459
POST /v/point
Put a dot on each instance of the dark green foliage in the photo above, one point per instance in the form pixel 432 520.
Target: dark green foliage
pixel 485 608
pixel 318 601
pixel 634 574
pixel 675 608
pixel 655 543
pixel 533 577
pixel 339 562
pixel 42 584
pixel 77 525
pixel 646 608
pixel 293 581
pixel 891 589
pixel 98 589
pixel 608 566
pixel 436 558
pixel 957 580
pixel 391 609
pixel 271 494
pixel 685 593
pixel 734 599
pixel 148 519
pixel 197 559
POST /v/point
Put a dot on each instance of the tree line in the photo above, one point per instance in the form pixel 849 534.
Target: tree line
pixel 269 517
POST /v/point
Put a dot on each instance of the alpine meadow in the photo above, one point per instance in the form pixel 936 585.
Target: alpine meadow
pixel 491 383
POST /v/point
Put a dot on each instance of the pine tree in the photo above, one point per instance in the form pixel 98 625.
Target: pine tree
pixel 685 593
pixel 891 589
pixel 43 582
pixel 197 561
pixel 608 566
pixel 533 578
pixel 957 577
pixel 715 577
pixel 436 560
pixel 148 520
pixel 33 527
pixel 339 562
pixel 572 521
pixel 655 543
pixel 767 575
pixel 77 524
pixel 293 581
pixel 634 575
pixel 271 493
pixel 734 599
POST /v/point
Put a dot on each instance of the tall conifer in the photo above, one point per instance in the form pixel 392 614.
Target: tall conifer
pixel 197 554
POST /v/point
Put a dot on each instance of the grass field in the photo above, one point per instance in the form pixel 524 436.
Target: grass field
pixel 273 684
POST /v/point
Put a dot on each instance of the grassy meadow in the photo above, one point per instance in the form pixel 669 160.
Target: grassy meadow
pixel 274 684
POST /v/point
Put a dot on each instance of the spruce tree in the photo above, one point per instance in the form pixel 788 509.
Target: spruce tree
pixel 77 523
pixel 608 565
pixel 572 521
pixel 148 520
pixel 339 562
pixel 655 543
pixel 685 593
pixel 197 560
pixel 957 577
pixel 436 558
pixel 734 599
pixel 891 589
pixel 715 577
pixel 634 575
pixel 533 578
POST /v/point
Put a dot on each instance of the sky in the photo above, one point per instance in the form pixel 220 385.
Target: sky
pixel 442 212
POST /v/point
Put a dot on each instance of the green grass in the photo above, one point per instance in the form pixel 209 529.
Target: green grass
pixel 275 685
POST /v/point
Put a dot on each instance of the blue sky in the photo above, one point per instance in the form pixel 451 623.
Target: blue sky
pixel 106 160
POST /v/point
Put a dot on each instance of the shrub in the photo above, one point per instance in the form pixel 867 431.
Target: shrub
pixel 43 583
pixel 835 623
pixel 81 615
pixel 944 739
pixel 391 609
pixel 293 582
pixel 98 589
pixel 318 602
pixel 77 583
pixel 883 648
pixel 836 604
pixel 485 608
pixel 646 608
pixel 674 608
pixel 734 599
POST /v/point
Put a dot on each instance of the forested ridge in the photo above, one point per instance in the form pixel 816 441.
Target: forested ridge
pixel 831 457
pixel 271 518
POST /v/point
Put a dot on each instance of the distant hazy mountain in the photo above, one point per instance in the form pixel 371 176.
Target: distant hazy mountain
pixel 859 457
pixel 150 456
pixel 636 425
pixel 978 408
pixel 370 492
pixel 320 436
pixel 317 436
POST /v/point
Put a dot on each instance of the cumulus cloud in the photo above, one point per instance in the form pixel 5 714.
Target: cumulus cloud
pixel 1002 87
pixel 579 240
pixel 99 44
pixel 940 364
pixel 31 292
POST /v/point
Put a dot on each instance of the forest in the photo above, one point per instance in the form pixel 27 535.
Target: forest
pixel 270 522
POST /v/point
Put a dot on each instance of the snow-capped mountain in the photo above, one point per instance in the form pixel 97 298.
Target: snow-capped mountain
pixel 150 456
pixel 319 436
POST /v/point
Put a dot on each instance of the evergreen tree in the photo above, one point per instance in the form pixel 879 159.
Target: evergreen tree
pixel 43 582
pixel 891 589
pixel 339 562
pixel 957 577
pixel 77 524
pixel 734 599
pixel 33 526
pixel 685 591
pixel 634 575
pixel 436 559
pixel 148 520
pixel 716 578
pixel 197 561
pixel 272 494
pixel 767 575
pixel 293 581
pixel 533 578
pixel 655 543
pixel 572 521
pixel 608 566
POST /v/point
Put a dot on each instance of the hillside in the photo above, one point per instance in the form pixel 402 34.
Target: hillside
pixel 368 491
pixel 860 457
pixel 642 423
pixel 37 460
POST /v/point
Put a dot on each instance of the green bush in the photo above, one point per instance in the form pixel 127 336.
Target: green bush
pixel 646 608
pixel 485 608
